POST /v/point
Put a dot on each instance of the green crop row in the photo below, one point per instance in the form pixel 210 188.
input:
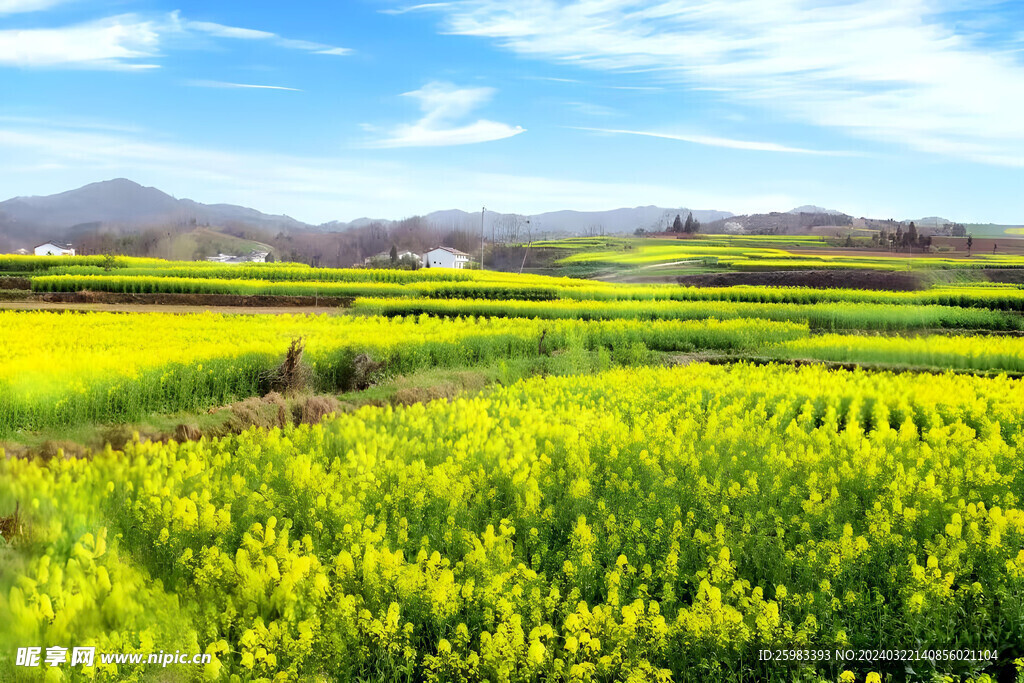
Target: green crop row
pixel 819 316
pixel 535 289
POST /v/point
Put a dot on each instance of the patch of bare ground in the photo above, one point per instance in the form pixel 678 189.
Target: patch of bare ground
pixel 458 383
pixel 30 303
pixel 168 299
pixel 15 283
pixel 266 411
pixel 314 409
pixel 822 279
pixel 187 431
pixel 1014 276
pixel 686 359
pixel 12 526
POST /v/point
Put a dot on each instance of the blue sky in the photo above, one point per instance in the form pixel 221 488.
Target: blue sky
pixel 335 110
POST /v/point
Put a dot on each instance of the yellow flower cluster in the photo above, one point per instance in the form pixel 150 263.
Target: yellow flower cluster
pixel 636 525
pixel 60 369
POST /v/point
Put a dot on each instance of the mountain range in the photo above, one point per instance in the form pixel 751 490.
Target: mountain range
pixel 123 206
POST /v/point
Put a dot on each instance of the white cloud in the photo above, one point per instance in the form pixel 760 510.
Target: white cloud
pixel 712 141
pixel 443 106
pixel 225 84
pixel 878 69
pixel 125 42
pixel 113 43
pixel 417 8
pixel 222 31
pixel 39 159
pixel 16 6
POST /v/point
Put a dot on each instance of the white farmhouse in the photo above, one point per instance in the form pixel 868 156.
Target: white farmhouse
pixel 55 249
pixel 445 257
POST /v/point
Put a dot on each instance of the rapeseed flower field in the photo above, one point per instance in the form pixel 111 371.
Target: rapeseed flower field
pixel 640 524
pixel 695 484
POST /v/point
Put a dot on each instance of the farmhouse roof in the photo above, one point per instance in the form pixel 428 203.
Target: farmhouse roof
pixel 450 250
pixel 55 243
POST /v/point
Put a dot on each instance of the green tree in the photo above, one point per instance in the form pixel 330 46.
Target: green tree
pixel 677 224
pixel 688 226
pixel 394 254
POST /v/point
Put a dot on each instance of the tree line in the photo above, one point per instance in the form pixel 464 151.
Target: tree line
pixel 690 227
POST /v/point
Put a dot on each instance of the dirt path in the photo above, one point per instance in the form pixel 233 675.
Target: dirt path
pixel 156 308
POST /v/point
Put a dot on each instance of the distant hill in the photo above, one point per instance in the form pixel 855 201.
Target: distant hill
pixel 124 205
pixel 121 207
pixel 790 223
pixel 626 220
pixel 932 222
pixel 810 208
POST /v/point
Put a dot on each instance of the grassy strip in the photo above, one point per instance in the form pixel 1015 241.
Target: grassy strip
pixel 820 316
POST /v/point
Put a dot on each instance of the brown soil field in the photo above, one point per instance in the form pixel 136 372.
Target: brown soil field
pixel 193 300
pixel 980 245
pixel 824 279
pixel 159 308
pixel 175 303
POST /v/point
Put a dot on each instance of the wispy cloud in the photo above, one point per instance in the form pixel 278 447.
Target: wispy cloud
pixel 222 31
pixel 17 6
pixel 444 105
pixel 894 72
pixel 225 84
pixel 122 42
pixel 551 78
pixel 126 42
pixel 712 141
pixel 417 8
pixel 72 123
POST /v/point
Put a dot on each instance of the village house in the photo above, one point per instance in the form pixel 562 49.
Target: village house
pixel 54 249
pixel 445 257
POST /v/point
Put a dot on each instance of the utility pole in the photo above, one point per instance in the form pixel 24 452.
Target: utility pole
pixel 529 236
pixel 482 212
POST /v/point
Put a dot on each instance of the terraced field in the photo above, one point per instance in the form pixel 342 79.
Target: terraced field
pixel 470 476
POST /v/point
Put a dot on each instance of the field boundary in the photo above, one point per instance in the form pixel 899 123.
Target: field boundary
pixel 175 299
